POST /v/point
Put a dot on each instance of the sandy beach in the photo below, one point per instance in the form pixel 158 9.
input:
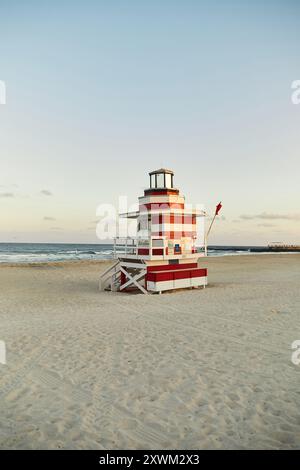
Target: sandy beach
pixel 196 369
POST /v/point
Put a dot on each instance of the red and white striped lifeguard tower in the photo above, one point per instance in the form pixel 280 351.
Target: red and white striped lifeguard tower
pixel 163 255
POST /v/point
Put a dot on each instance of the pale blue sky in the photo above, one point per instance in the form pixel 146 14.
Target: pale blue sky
pixel 101 92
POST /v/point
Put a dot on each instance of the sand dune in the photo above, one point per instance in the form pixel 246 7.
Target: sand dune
pixel 201 369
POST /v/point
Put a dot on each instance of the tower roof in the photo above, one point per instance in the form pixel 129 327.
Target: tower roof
pixel 161 170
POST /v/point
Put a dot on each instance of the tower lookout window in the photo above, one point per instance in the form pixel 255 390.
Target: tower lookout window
pixel 168 180
pixel 161 179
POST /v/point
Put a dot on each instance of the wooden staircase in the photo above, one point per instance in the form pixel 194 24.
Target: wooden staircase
pixel 124 275
pixel 111 278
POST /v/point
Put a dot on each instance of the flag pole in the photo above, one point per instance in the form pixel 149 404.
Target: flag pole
pixel 207 233
pixel 211 224
pixel 218 208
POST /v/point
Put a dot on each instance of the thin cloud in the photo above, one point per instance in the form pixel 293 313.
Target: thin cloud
pixel 247 217
pixel 49 218
pixel 56 228
pixel 270 216
pixel 45 192
pixel 266 225
pixel 6 195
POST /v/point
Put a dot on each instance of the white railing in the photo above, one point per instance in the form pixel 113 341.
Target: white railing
pixel 131 245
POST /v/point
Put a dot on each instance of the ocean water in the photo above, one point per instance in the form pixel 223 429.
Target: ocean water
pixel 45 252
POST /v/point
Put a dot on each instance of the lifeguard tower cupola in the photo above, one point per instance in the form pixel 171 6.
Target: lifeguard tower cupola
pixel 163 255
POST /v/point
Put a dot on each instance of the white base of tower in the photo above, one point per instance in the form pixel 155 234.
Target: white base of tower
pixel 151 277
pixel 177 284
